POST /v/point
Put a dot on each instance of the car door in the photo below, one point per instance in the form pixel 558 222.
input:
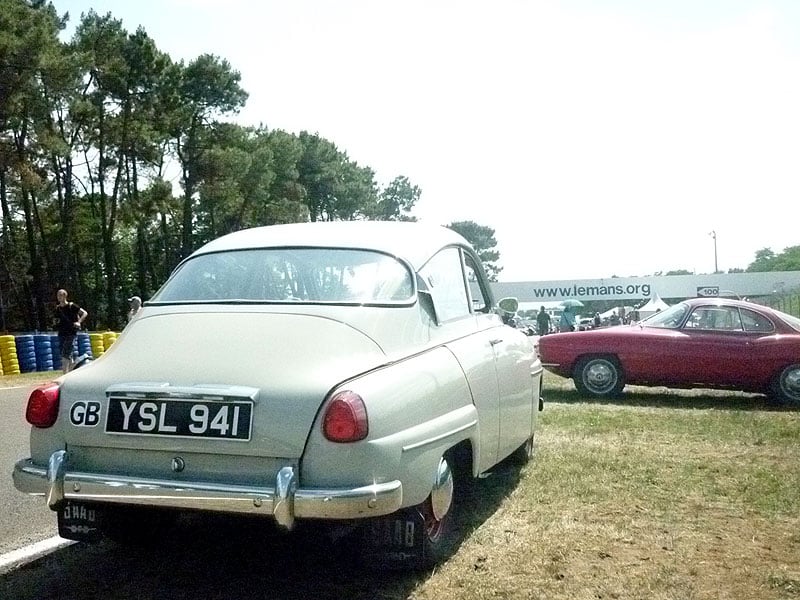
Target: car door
pixel 471 345
pixel 717 350
pixel 513 358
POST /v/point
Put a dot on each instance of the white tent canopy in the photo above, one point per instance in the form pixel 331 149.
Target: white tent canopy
pixel 654 305
pixel 611 311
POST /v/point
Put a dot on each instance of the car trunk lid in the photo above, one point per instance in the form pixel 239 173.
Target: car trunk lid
pixel 215 385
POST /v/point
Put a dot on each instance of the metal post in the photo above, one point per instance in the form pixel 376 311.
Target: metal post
pixel 713 234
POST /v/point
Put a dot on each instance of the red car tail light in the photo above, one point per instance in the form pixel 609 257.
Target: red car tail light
pixel 345 418
pixel 42 410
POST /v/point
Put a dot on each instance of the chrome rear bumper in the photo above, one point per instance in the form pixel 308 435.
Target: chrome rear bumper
pixel 284 502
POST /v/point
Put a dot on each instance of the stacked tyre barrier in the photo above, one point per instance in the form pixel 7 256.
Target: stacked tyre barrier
pixel 97 344
pixel 8 355
pixel 109 337
pixel 44 352
pixel 26 353
pixel 55 348
pixel 84 344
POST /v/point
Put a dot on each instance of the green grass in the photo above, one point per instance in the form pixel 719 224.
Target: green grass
pixel 660 494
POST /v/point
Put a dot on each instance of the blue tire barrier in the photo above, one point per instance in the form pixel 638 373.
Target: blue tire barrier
pixel 44 352
pixel 55 348
pixel 26 353
pixel 84 344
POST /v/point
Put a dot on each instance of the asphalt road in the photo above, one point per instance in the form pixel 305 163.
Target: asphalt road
pixel 23 519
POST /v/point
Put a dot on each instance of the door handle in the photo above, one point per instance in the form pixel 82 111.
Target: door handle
pixel 495 341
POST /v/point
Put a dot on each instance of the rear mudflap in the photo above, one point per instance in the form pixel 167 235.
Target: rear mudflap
pixel 81 522
pixel 394 541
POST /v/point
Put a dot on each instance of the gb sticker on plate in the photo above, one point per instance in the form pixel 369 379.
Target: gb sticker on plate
pixel 85 414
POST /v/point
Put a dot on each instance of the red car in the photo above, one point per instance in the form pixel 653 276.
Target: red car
pixel 702 342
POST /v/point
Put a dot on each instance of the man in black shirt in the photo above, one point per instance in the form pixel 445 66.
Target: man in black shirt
pixel 543 321
pixel 69 317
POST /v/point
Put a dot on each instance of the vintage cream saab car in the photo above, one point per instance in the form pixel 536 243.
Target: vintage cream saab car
pixel 347 372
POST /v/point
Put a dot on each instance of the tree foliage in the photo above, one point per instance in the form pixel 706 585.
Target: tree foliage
pixel 767 260
pixel 116 162
pixel 483 241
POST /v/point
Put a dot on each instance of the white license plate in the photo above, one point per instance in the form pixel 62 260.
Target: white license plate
pixel 229 420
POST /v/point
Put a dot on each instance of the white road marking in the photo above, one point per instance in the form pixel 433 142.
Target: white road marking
pixel 16 558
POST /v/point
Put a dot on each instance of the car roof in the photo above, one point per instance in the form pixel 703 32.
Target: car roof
pixel 725 302
pixel 412 241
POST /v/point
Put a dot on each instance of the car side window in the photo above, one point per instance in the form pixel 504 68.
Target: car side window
pixel 478 297
pixel 715 318
pixel 753 321
pixel 444 277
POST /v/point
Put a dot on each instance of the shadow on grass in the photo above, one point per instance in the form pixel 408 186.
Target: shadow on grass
pixel 236 558
pixel 661 397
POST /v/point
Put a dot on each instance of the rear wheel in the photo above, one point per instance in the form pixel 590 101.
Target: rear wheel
pixel 786 385
pixel 599 376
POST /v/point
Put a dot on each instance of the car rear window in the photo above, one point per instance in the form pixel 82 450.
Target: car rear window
pixel 290 275
pixel 793 321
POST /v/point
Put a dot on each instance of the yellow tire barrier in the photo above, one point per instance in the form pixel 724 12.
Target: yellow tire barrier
pixel 98 346
pixel 8 355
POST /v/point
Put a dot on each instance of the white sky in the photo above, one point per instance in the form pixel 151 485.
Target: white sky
pixel 596 138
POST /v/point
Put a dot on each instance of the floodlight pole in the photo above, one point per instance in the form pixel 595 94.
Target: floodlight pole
pixel 713 234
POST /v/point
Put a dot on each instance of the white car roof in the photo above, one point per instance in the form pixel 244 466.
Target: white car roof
pixel 415 242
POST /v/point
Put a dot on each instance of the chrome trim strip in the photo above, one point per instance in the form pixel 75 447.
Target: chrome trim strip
pixel 284 501
pixel 439 437
pixel 203 391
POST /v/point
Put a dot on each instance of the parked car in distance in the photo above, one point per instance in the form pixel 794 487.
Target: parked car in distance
pixel 349 373
pixel 702 342
pixel 585 323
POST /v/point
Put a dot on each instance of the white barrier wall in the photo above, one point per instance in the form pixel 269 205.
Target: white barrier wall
pixel 749 285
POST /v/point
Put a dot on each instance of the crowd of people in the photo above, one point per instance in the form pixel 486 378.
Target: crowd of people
pixel 568 320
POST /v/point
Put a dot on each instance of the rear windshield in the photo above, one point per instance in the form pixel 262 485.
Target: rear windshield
pixel 793 321
pixel 290 275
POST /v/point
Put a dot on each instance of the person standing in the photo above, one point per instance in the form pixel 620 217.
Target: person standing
pixel 69 319
pixel 567 322
pixel 135 304
pixel 543 322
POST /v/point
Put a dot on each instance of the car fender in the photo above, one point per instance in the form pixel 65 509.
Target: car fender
pixel 418 408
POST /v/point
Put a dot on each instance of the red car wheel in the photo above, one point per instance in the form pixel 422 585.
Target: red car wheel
pixel 787 385
pixel 599 376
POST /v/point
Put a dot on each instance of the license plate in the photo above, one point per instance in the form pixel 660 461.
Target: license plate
pixel 81 522
pixel 230 420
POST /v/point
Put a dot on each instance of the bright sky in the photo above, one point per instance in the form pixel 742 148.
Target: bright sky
pixel 596 138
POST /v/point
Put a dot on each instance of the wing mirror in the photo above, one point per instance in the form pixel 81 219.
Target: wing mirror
pixel 507 308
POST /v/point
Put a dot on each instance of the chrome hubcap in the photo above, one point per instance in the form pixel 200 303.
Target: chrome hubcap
pixel 790 382
pixel 600 376
pixel 442 492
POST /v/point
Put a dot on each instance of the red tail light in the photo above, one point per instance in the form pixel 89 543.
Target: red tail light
pixel 345 418
pixel 42 408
